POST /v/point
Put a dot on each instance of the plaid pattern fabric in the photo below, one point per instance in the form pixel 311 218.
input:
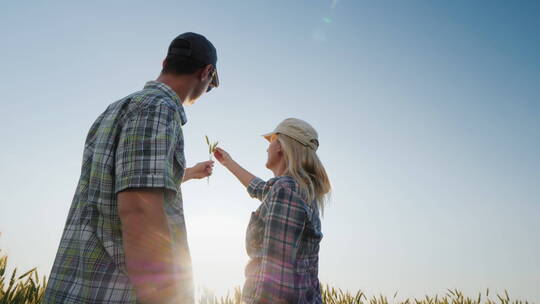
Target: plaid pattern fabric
pixel 282 242
pixel 136 143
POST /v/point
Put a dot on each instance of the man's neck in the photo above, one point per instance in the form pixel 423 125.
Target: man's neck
pixel 179 84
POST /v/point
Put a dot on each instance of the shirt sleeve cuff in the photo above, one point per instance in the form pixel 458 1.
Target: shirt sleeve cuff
pixel 144 181
pixel 255 188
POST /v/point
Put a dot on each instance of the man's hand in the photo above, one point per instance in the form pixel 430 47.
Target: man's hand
pixel 200 170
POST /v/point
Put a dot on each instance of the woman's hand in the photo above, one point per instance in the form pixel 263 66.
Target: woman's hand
pixel 200 170
pixel 223 157
pixel 226 160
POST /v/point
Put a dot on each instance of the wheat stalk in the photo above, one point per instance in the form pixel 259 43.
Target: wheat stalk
pixel 211 148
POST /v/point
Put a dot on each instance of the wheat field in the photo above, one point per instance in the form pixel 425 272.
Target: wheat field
pixel 29 288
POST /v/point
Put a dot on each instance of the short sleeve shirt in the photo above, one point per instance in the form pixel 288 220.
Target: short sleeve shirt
pixel 136 143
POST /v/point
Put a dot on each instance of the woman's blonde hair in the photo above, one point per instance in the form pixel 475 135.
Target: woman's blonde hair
pixel 305 167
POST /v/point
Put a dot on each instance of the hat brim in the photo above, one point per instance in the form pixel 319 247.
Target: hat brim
pixel 268 136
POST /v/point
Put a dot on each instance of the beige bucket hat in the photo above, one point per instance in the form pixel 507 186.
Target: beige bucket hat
pixel 298 130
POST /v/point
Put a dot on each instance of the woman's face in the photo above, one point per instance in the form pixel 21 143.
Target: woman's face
pixel 274 153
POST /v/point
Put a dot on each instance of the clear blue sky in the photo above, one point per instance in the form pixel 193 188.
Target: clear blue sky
pixel 428 114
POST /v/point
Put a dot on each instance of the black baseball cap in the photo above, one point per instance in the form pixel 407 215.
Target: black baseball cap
pixel 195 47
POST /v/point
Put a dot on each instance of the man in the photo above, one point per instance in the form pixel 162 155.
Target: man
pixel 125 236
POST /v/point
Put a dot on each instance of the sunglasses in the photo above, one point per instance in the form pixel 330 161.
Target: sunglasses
pixel 215 81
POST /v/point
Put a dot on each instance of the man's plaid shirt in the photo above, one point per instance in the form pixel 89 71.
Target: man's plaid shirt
pixel 282 242
pixel 136 143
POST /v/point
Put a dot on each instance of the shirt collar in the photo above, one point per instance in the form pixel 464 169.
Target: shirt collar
pixel 156 85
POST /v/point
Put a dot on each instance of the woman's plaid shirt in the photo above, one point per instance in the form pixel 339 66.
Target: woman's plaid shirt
pixel 282 242
pixel 136 143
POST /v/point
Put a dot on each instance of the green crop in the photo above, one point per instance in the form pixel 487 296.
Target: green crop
pixel 211 148
pixel 29 289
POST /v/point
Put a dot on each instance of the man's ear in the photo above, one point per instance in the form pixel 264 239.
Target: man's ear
pixel 163 63
pixel 205 71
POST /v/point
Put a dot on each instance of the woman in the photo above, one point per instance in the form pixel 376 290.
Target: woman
pixel 284 233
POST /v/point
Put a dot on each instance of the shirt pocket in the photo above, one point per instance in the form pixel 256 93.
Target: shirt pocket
pixel 254 234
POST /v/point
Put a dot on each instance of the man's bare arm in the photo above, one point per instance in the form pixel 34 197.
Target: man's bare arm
pixel 147 244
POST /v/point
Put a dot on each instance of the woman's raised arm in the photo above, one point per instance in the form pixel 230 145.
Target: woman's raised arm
pixel 243 175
